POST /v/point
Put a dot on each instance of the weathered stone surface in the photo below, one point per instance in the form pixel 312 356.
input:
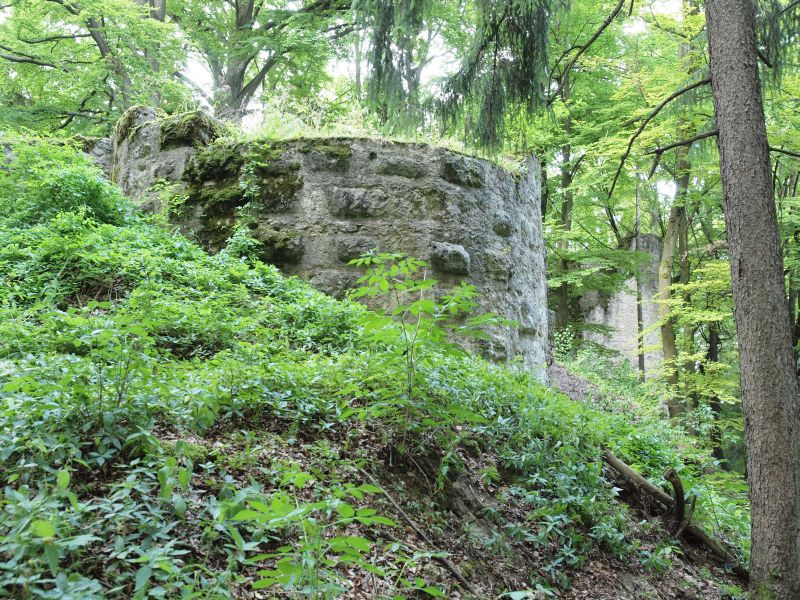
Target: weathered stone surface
pixel 402 167
pixel 618 313
pixel 463 170
pixel 353 203
pixel 450 258
pixel 195 128
pixel 503 225
pixel 279 247
pixel 349 247
pixel 316 204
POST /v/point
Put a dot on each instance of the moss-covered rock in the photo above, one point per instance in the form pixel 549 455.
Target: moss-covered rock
pixel 132 118
pixel 326 155
pixel 194 128
pixel 279 247
pixel 272 179
pixel 216 162
pixel 214 192
pixel 333 150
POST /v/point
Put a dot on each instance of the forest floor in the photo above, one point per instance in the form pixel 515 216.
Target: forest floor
pixel 466 523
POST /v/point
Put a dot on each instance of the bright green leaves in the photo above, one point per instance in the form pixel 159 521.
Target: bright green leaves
pixel 77 66
pixel 311 562
pixel 173 477
pixel 43 529
pixel 419 323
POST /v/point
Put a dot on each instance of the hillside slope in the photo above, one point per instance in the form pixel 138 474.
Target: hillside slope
pixel 176 424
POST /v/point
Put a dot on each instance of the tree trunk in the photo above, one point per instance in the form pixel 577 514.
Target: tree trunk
pixel 676 234
pixel 562 306
pixel 668 343
pixel 639 295
pixel 712 355
pixel 769 385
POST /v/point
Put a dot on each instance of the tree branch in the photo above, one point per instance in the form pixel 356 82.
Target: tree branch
pixel 203 94
pixel 789 7
pixel 784 151
pixel 667 501
pixel 21 57
pixel 583 48
pixel 649 118
pixel 56 38
pixel 688 142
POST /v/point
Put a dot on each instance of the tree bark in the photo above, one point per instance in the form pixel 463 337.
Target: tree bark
pixel 562 308
pixel 769 385
pixel 675 235
pixel 668 343
pixel 712 355
pixel 639 296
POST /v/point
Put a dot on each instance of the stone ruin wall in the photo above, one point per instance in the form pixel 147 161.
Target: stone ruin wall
pixel 618 313
pixel 314 204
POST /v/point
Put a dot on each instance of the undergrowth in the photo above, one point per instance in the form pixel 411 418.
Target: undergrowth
pixel 177 424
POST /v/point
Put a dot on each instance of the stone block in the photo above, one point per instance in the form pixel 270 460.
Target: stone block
pixel 352 203
pixel 463 171
pixel 503 225
pixel 402 167
pixel 279 247
pixel 350 247
pixel 450 258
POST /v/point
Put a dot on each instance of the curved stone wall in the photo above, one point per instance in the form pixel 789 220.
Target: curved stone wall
pixel 314 204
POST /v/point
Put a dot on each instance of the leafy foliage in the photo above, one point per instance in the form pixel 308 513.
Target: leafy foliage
pixel 154 400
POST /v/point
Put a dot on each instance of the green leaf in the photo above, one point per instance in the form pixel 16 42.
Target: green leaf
pixel 345 510
pixel 142 577
pixel 249 515
pixel 62 480
pixel 42 529
pixel 179 505
pixel 51 554
pixel 433 591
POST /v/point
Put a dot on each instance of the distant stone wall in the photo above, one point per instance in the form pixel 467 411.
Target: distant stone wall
pixel 618 313
pixel 314 204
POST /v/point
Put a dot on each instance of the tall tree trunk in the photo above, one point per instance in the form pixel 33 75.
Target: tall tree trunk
pixel 639 295
pixel 769 385
pixel 562 306
pixel 676 234
pixel 712 355
pixel 668 340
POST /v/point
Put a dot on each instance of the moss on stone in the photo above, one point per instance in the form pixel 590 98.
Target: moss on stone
pixel 194 128
pixel 214 184
pixel 342 151
pixel 216 162
pixel 84 143
pixel 219 198
pixel 272 179
pixel 281 247
pixel 126 126
pixel 325 155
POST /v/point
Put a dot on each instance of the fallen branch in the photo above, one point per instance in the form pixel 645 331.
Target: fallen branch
pixel 441 559
pixel 668 502
pixel 639 481
pixel 678 512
